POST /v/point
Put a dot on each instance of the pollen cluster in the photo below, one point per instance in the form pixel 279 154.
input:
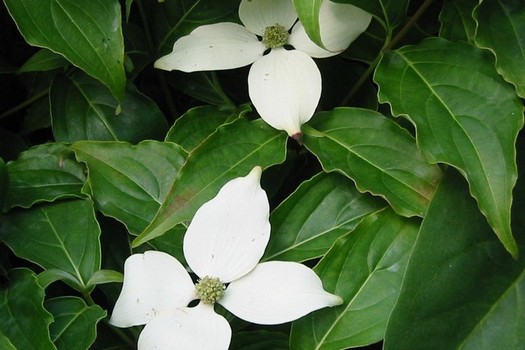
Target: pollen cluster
pixel 275 36
pixel 209 289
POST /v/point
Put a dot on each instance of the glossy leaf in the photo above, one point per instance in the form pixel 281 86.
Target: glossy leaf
pixel 466 120
pixel 89 36
pixel 173 19
pixel 43 173
pixel 5 343
pixel 232 151
pixel 61 235
pixel 75 325
pixel 501 28
pixel 457 21
pixel 84 109
pixel 381 157
pixel 23 320
pixel 308 12
pixel 43 60
pixel 105 276
pixel 321 210
pixel 461 288
pixel 366 269
pixel 194 126
pixel 129 182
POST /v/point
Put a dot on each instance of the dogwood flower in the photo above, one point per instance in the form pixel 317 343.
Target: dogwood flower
pixel 284 85
pixel 222 245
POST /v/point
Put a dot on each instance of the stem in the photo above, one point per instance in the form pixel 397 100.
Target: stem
pixel 389 44
pixel 24 104
pixel 174 114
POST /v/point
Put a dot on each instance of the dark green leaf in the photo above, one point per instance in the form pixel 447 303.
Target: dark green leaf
pixel 501 28
pixel 88 34
pixel 194 126
pixel 62 236
pixel 43 60
pixel 5 343
pixel 390 12
pixel 457 22
pixel 232 151
pixel 4 180
pixel 23 319
pixel 259 340
pixel 365 268
pixel 129 182
pixel 307 223
pixel 463 119
pixel 84 109
pixel 75 322
pixel 43 173
pixel 381 157
pixel 461 289
pixel 172 19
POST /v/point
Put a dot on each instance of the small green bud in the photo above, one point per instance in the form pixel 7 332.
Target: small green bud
pixel 275 36
pixel 210 289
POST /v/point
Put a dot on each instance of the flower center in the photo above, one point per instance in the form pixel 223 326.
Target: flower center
pixel 275 36
pixel 209 289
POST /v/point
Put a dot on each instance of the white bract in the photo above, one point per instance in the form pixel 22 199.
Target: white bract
pixel 284 85
pixel 222 246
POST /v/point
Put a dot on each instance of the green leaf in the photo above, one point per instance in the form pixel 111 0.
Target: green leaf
pixel 172 19
pixel 106 276
pixel 171 242
pixel 23 319
pixel 501 29
pixel 321 210
pixel 366 269
pixel 390 13
pixel 461 289
pixel 308 12
pixel 380 156
pixel 61 235
pixel 232 151
pixel 457 22
pixel 43 173
pixel 194 126
pixel 84 109
pixel 5 343
pixel 129 182
pixel 43 60
pixel 4 180
pixel 465 114
pixel 89 35
pixel 75 325
pixel 259 340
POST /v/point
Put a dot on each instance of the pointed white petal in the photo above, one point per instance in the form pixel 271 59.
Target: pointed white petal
pixel 194 328
pixel 340 24
pixel 276 292
pixel 300 41
pixel 228 234
pixel 285 87
pixel 213 47
pixel 153 283
pixel 256 15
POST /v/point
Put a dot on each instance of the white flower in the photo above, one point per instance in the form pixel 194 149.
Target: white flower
pixel 284 85
pixel 223 245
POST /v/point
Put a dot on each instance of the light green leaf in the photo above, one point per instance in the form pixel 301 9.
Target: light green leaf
pixel 89 34
pixel 366 269
pixel 380 156
pixel 106 276
pixel 23 319
pixel 5 343
pixel 43 173
pixel 75 325
pixel 461 289
pixel 501 29
pixel 129 182
pixel 232 151
pixel 457 22
pixel 84 109
pixel 321 210
pixel 194 126
pixel 308 12
pixel 465 114
pixel 62 235
pixel 43 60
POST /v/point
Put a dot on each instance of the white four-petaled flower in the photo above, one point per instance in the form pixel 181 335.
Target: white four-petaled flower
pixel 222 245
pixel 284 85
